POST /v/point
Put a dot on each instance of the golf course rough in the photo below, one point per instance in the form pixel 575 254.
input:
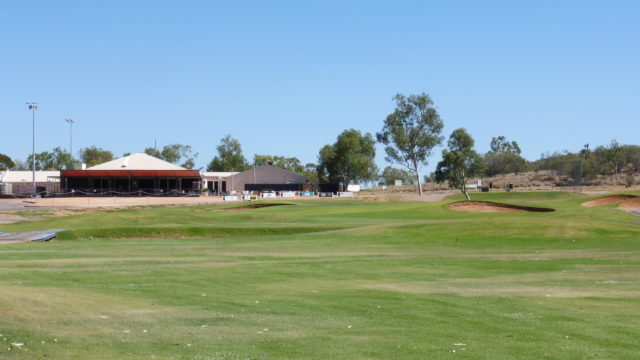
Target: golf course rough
pixel 405 280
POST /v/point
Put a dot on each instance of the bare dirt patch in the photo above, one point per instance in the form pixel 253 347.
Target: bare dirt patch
pixel 491 207
pixel 11 218
pixel 253 206
pixel 607 200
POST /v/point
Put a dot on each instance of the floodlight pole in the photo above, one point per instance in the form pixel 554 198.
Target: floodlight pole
pixel 33 107
pixel 70 137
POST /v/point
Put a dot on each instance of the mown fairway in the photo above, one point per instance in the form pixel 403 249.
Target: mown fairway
pixel 327 280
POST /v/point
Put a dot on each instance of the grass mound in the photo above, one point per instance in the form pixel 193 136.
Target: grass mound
pixel 159 232
pixel 490 207
pixel 607 200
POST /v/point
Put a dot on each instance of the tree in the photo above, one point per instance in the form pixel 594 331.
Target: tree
pixel 615 157
pixel 20 166
pixel 501 145
pixel 58 159
pixel 349 160
pixel 151 151
pixel 504 157
pixel 632 156
pixel 174 153
pixel 229 156
pixel 94 155
pixel 411 132
pixel 310 172
pixel 390 174
pixel 290 163
pixel 459 162
pixel 6 163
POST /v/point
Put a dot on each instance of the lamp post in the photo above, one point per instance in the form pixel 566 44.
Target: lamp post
pixel 70 122
pixel 33 107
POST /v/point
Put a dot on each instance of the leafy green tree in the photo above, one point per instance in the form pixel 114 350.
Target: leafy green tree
pixel 504 157
pixel 174 153
pixel 229 156
pixel 58 159
pixel 390 174
pixel 349 160
pixel 151 151
pixel 94 155
pixel 6 163
pixel 500 144
pixel 290 163
pixel 310 172
pixel 632 156
pixel 411 132
pixel 460 162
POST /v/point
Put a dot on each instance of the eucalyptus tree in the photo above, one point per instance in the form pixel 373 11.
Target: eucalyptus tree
pixel 460 162
pixel 411 132
pixel 349 160
pixel 229 156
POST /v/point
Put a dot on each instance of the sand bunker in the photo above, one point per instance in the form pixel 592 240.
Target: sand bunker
pixel 253 206
pixel 608 200
pixel 490 207
pixel 633 203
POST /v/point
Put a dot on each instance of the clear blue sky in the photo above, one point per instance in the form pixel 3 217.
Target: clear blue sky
pixel 286 77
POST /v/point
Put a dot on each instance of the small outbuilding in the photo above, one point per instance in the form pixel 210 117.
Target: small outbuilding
pixel 266 177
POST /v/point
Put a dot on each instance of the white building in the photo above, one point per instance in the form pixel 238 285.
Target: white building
pixel 21 182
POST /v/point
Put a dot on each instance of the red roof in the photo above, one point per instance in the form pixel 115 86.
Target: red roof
pixel 132 173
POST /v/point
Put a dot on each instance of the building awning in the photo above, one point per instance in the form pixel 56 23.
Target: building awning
pixel 131 173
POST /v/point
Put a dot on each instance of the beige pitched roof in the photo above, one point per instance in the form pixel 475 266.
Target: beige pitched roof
pixel 139 161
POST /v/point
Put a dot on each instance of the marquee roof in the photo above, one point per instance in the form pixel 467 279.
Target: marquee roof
pixel 138 161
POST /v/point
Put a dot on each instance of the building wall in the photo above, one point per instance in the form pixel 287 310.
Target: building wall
pixel 265 174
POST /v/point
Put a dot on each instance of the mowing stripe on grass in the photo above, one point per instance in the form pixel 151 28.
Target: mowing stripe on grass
pixel 189 231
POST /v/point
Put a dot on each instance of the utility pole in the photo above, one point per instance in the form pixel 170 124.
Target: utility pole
pixel 33 107
pixel 70 137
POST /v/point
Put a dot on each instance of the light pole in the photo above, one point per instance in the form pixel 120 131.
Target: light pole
pixel 33 107
pixel 70 138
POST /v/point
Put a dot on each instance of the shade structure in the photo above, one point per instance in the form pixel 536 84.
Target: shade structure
pixel 132 173
pixel 131 182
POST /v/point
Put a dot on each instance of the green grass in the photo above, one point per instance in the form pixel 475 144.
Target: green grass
pixel 327 280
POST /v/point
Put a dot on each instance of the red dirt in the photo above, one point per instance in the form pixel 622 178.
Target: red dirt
pixel 607 200
pixel 633 203
pixel 489 207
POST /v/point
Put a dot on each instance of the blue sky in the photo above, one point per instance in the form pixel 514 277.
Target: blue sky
pixel 286 77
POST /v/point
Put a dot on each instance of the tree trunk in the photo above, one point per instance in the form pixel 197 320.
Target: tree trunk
pixel 464 190
pixel 419 184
